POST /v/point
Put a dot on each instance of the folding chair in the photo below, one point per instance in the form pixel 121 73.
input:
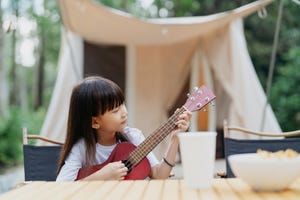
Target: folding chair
pixel 40 162
pixel 274 142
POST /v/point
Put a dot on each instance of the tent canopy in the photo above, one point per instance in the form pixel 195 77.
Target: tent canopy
pixel 99 24
pixel 162 55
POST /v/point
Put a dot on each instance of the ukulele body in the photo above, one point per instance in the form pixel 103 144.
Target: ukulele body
pixel 120 152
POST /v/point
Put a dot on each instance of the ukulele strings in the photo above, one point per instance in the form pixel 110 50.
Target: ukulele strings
pixel 144 148
pixel 156 137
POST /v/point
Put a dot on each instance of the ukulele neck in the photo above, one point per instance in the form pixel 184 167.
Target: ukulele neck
pixel 155 138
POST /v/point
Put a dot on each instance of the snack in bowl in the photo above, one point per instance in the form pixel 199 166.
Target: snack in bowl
pixel 265 170
pixel 281 154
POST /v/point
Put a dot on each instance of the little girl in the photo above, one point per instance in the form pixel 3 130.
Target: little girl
pixel 96 124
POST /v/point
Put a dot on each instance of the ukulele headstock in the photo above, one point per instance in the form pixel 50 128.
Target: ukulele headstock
pixel 199 98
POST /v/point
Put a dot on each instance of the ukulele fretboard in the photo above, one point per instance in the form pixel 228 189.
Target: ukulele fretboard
pixel 155 138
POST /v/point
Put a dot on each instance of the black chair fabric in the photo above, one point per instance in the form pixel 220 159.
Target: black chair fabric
pixel 41 162
pixel 238 146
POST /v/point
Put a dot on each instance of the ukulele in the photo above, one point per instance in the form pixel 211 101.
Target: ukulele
pixel 134 157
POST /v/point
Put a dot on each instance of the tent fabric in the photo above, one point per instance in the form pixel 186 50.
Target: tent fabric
pixel 99 24
pixel 161 55
pixel 70 70
pixel 231 64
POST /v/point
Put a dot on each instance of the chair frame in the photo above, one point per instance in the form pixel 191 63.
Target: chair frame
pixel 27 137
pixel 228 128
pixel 40 161
pixel 270 138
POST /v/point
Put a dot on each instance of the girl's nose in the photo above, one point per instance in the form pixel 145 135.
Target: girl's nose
pixel 124 111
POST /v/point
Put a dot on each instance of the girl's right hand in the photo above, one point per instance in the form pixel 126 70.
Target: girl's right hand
pixel 112 171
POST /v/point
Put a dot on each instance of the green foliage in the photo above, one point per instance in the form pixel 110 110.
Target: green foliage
pixel 11 134
pixel 178 8
pixel 285 96
pixel 46 37
pixel 49 31
pixel 125 6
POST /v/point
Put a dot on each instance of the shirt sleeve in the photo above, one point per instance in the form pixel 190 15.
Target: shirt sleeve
pixel 136 137
pixel 72 164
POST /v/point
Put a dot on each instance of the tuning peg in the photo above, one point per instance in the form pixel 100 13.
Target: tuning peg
pixel 196 88
pixel 199 91
pixel 207 99
pixel 212 103
pixel 188 94
pixel 199 105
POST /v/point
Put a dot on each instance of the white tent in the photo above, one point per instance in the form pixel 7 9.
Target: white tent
pixel 161 55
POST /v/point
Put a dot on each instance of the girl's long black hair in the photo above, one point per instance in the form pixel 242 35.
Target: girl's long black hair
pixel 92 97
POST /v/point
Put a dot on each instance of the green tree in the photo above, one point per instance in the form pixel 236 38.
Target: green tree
pixel 285 95
pixel 3 74
pixel 48 34
pixel 29 91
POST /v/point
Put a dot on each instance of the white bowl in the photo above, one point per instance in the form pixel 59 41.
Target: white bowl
pixel 265 174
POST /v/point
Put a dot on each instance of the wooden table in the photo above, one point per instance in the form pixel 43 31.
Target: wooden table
pixel 171 189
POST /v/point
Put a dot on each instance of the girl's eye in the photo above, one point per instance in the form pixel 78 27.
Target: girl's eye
pixel 116 110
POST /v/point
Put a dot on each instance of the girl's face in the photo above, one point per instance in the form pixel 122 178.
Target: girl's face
pixel 112 121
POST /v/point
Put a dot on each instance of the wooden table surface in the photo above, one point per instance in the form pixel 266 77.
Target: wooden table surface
pixel 170 189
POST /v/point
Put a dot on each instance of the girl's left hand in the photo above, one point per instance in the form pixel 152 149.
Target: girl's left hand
pixel 183 122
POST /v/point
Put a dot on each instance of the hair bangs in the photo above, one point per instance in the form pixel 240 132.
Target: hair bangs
pixel 112 100
pixel 111 97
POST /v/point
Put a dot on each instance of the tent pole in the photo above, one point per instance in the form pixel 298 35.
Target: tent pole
pixel 272 62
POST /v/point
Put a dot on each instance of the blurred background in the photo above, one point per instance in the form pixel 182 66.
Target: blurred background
pixel 30 39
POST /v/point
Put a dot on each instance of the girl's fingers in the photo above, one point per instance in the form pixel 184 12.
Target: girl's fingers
pixel 125 169
pixel 123 173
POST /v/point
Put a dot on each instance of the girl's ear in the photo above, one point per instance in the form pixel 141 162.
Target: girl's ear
pixel 95 123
